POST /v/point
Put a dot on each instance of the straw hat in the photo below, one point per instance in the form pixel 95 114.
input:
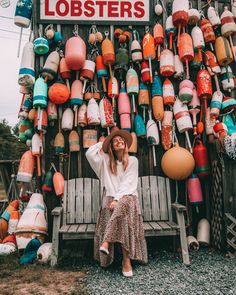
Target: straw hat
pixel 124 134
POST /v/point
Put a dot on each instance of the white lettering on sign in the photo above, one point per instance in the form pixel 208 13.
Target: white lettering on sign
pixel 133 11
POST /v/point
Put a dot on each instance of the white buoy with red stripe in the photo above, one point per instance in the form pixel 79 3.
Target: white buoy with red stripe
pixel 166 130
pixel 180 14
pixel 136 50
pixel 167 66
pixel 93 114
pixel 87 72
pixel 228 27
pixel 106 114
pixel 198 41
pixel 183 120
pixel 213 17
pixel 82 115
pixel 37 150
pixel 194 109
pixel 168 92
pixel 152 136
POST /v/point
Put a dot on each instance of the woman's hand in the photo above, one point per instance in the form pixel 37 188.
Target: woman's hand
pixel 113 205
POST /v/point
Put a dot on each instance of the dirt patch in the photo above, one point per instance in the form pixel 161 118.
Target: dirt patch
pixel 38 279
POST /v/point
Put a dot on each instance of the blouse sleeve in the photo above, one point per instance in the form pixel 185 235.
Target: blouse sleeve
pixel 95 158
pixel 129 180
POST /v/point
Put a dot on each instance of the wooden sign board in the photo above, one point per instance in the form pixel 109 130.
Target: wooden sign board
pixel 110 12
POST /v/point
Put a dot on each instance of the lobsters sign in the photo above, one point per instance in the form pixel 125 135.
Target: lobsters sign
pixel 99 11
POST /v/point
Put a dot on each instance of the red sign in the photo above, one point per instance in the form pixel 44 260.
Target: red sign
pixel 95 11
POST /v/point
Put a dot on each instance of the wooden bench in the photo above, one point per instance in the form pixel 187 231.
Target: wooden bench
pixel 77 217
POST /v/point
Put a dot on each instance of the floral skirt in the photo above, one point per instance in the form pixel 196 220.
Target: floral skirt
pixel 125 226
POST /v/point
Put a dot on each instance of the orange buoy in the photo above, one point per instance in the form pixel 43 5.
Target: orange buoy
pixel 208 32
pixel 58 93
pixel 108 52
pixel 177 163
pixel 158 108
pixel 166 130
pixel 149 52
pixel 26 167
pixel 58 183
pixel 158 33
pixel 186 52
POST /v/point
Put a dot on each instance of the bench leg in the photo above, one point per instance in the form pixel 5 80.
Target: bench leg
pixel 183 237
pixel 55 240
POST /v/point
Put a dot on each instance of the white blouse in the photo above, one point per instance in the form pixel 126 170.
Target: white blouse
pixel 124 183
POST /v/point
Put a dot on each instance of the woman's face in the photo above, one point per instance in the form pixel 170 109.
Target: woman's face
pixel 118 143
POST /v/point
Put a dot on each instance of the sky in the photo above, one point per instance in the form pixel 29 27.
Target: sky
pixel 10 97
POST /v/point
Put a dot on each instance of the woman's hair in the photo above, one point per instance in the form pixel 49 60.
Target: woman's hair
pixel 113 158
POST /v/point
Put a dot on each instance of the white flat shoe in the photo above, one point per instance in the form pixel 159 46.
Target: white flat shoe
pixel 127 274
pixel 104 250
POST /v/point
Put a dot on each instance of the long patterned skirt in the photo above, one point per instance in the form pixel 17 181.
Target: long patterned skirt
pixel 125 226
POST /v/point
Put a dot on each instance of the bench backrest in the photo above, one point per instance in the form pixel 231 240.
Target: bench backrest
pixel 82 199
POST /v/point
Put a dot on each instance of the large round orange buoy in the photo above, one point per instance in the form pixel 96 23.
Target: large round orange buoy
pixel 58 93
pixel 177 163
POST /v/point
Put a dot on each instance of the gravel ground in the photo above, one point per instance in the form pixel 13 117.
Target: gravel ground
pixel 210 273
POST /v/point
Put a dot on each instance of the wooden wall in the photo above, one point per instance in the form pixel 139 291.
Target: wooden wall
pixel 79 164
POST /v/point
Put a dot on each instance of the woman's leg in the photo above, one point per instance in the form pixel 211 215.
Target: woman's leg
pixel 126 263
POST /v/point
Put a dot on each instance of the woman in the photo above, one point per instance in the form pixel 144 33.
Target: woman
pixel 119 218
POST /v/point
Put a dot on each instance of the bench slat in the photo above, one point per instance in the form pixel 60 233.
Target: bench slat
pixel 146 198
pixel 64 228
pixel 164 225
pixel 140 195
pixel 168 194
pixel 71 200
pixel 91 228
pixel 155 225
pixel 87 200
pixel 95 199
pixel 154 198
pixel 82 228
pixel 147 226
pixel 64 202
pixel 79 200
pixel 73 228
pixel 173 225
pixel 162 198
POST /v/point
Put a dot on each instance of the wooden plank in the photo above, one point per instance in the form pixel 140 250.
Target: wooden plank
pixel 82 228
pixel 164 225
pixel 168 198
pixel 73 228
pixel 87 200
pixel 91 228
pixel 162 198
pixel 154 198
pixel 147 226
pixel 95 199
pixel 64 228
pixel 71 200
pixel 160 233
pixel 173 225
pixel 146 198
pixel 140 195
pixel 79 200
pixel 155 225
pixel 64 202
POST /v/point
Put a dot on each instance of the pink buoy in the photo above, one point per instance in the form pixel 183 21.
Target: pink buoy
pixel 75 53
pixel 194 190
